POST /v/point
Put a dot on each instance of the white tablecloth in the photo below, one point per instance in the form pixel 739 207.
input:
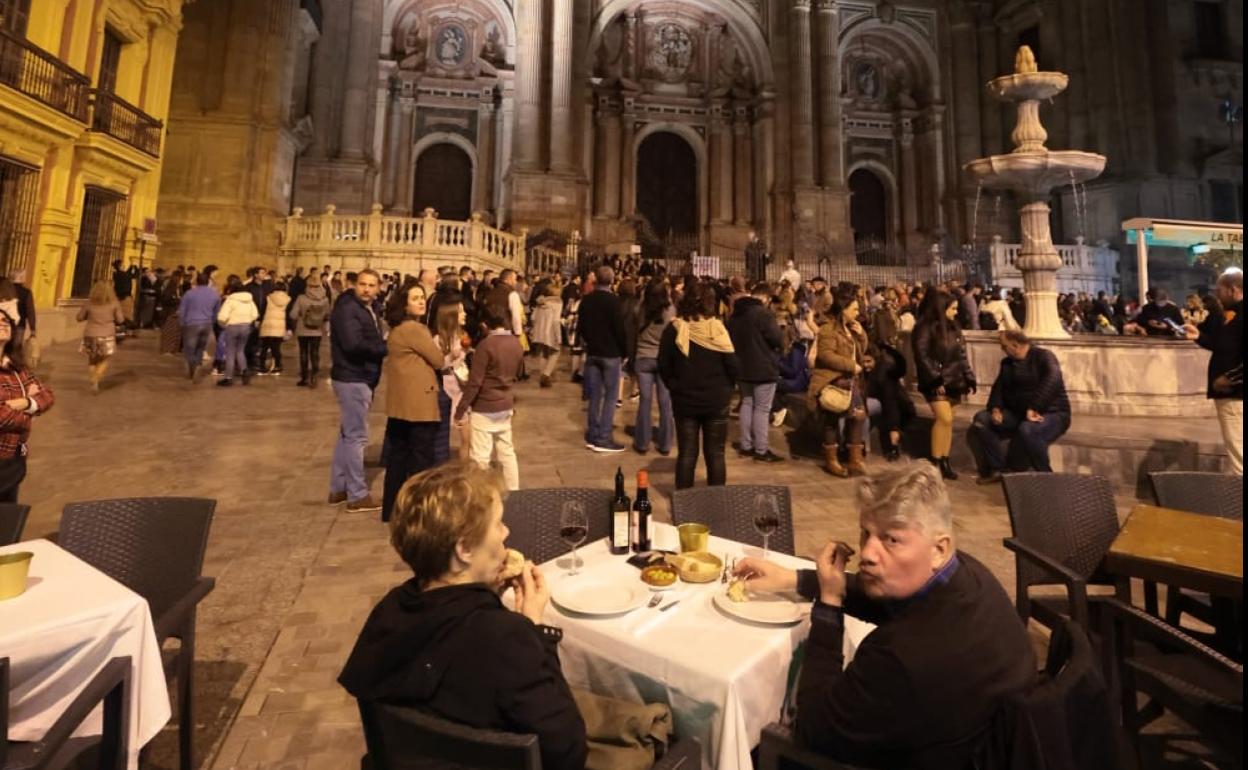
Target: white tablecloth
pixel 724 679
pixel 60 633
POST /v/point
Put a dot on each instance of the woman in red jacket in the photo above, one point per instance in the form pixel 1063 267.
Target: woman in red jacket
pixel 22 397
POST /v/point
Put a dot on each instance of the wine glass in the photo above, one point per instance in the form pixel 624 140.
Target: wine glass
pixel 573 528
pixel 766 517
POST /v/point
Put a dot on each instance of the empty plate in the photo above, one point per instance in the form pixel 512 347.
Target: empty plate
pixel 589 596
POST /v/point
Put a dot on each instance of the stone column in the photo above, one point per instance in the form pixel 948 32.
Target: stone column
pixel 831 159
pixel 505 124
pixel 406 177
pixel 630 45
pixel 527 155
pixel 562 118
pixel 607 161
pixel 362 48
pixel 989 108
pixel 482 200
pixel 720 176
pixel 909 184
pixel 324 94
pixel 938 162
pixel 743 183
pixel 628 162
pixel 800 106
pixel 390 171
pixel 765 163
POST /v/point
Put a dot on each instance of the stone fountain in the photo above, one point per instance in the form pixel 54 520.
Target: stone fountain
pixel 1032 171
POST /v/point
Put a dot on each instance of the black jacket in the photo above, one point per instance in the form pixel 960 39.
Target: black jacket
pixel 925 685
pixel 1152 312
pixel 355 342
pixel 937 365
pixel 1225 339
pixel 701 383
pixel 600 325
pixel 757 338
pixel 1033 383
pixel 458 653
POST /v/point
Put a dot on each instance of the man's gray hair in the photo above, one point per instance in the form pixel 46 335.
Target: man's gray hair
pixel 912 495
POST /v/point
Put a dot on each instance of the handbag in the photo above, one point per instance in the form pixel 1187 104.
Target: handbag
pixel 834 399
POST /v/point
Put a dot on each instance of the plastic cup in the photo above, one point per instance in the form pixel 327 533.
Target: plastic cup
pixel 13 570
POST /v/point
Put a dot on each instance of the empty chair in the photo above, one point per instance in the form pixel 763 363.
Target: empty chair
pixel 155 547
pixel 12 522
pixel 1214 494
pixel 533 515
pixel 730 510
pixel 1063 525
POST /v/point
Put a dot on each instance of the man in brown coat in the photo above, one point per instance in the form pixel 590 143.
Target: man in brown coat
pixel 496 365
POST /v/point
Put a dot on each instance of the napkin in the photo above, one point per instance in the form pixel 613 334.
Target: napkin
pixel 622 735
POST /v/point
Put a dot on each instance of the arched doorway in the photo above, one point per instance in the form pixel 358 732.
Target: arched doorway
pixel 667 191
pixel 868 211
pixel 444 182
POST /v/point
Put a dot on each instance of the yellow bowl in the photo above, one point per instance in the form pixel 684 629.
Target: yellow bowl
pixel 697 566
pixel 13 570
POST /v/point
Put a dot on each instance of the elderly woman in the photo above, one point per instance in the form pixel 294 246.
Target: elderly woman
pixel 839 358
pixel 444 643
pixel 948 649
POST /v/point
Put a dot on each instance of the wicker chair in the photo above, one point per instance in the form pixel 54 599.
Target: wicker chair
pixel 56 748
pixel 532 515
pixel 777 750
pixel 155 547
pixel 729 512
pixel 1063 524
pixel 402 738
pixel 1176 673
pixel 12 522
pixel 1213 494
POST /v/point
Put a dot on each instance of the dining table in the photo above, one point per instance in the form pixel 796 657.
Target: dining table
pixel 1180 548
pixel 70 621
pixel 724 677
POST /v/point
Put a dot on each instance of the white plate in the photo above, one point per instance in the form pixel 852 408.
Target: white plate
pixel 590 596
pixel 772 609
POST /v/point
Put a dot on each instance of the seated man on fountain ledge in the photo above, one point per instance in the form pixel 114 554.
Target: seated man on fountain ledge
pixel 1028 407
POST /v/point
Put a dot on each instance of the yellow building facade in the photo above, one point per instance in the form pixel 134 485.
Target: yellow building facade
pixel 84 95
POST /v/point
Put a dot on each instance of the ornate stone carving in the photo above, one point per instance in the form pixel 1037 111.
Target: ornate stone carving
pixel 671 51
pixel 451 45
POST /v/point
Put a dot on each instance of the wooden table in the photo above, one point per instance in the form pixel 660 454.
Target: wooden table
pixel 1179 548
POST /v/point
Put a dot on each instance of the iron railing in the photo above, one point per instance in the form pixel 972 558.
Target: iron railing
pixel 101 238
pixel 28 69
pixel 122 120
pixel 19 201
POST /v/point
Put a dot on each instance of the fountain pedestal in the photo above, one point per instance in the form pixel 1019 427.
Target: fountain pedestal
pixel 1039 262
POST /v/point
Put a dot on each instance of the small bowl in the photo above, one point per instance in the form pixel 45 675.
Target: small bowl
pixel 659 576
pixel 697 566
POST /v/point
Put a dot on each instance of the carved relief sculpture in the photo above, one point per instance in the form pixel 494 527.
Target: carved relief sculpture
pixel 671 52
pixel 411 51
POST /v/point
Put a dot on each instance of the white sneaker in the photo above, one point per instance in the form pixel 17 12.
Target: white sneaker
pixel 777 419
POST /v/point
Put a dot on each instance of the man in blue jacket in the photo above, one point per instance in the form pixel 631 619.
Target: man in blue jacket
pixel 358 350
pixel 197 311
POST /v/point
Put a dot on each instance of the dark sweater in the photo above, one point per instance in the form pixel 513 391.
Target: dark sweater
pixel 757 339
pixel 701 383
pixel 458 653
pixel 600 325
pixel 925 684
pixel 1225 340
pixel 496 365
pixel 1032 383
pixel 355 342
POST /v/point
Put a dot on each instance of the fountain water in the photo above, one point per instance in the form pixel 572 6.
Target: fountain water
pixel 1032 171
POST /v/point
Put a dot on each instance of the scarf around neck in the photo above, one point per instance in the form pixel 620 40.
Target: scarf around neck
pixel 708 333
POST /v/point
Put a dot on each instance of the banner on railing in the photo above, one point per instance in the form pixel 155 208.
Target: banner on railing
pixel 704 266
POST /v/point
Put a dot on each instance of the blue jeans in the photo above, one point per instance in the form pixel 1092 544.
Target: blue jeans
pixel 1033 439
pixel 347 471
pixel 650 385
pixel 602 385
pixel 235 336
pixel 755 417
pixel 194 342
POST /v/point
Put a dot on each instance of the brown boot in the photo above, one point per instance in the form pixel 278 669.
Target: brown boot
pixel 831 463
pixel 857 465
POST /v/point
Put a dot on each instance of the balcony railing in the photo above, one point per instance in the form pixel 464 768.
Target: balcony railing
pixel 122 120
pixel 29 69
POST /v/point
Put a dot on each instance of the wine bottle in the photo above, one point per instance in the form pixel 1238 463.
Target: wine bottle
pixel 619 517
pixel 641 514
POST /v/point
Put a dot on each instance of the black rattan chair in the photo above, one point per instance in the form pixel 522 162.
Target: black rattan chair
pixel 778 750
pixel 532 515
pixel 56 748
pixel 1176 673
pixel 12 522
pixel 402 738
pixel 155 547
pixel 1063 525
pixel 1213 494
pixel 729 512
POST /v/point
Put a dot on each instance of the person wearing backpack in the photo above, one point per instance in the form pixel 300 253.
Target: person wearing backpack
pixel 308 314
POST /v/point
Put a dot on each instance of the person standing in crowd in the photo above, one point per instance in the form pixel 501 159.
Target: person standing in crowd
pixel 1194 313
pixel 26 308
pixel 943 371
pixel 237 316
pixel 756 258
pixel 996 308
pixel 103 315
pixel 22 398
pixel 1028 404
pixel 1156 317
pixel 968 306
pixel 836 391
pixel 698 364
pixel 412 413
pixel 573 294
pixel 1222 334
pixel 358 350
pixel 547 332
pixel 145 308
pixel 197 312
pixel 757 340
pixel 298 284
pixel 886 370
pixel 657 313
pixel 123 289
pixel 452 339
pixel 273 329
pixel 170 299
pixel 255 286
pixel 791 276
pixel 308 315
pixel 600 325
pixel 496 364
pixel 504 295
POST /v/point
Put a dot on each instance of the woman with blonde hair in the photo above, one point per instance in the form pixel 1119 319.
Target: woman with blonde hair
pixel 99 337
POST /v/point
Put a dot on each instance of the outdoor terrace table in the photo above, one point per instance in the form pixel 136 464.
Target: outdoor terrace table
pixel 71 620
pixel 1180 548
pixel 723 679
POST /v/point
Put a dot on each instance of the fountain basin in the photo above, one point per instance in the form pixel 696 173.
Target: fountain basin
pixel 1036 172
pixel 1026 86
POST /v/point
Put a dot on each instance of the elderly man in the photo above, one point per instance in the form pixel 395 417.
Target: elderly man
pixel 948 649
pixel 1028 405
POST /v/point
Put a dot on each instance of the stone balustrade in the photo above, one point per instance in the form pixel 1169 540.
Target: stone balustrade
pixel 1084 268
pixel 395 243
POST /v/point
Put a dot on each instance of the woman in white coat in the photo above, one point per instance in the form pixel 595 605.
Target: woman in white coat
pixel 273 329
pixel 237 315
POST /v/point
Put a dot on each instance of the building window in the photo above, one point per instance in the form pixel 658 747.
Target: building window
pixel 110 59
pixel 13 16
pixel 101 238
pixel 1226 201
pixel 1210 29
pixel 19 198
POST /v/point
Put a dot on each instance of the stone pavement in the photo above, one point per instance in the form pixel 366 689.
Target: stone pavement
pixel 295 577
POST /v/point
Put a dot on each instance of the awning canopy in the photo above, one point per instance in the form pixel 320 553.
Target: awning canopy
pixel 1184 234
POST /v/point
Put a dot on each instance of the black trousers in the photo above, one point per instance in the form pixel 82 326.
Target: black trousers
pixel 309 356
pixel 271 346
pixel 12 472
pixel 713 429
pixel 896 408
pixel 409 450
